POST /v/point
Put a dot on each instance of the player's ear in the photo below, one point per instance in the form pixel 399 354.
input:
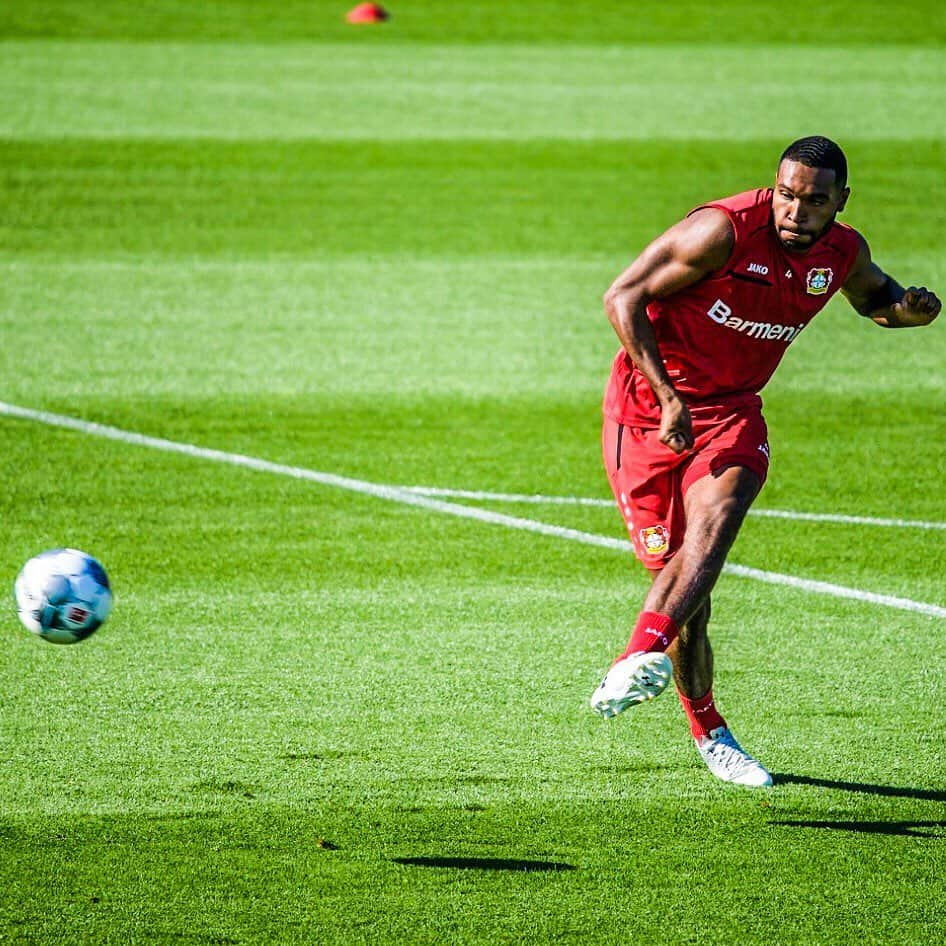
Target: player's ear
pixel 844 196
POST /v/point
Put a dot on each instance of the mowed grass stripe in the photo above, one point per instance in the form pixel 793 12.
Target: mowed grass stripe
pixel 409 497
pixel 312 200
pixel 520 334
pixel 347 91
pixel 744 22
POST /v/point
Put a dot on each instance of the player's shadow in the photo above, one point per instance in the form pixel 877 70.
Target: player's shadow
pixel 912 829
pixel 483 863
pixel 862 788
pixel 909 829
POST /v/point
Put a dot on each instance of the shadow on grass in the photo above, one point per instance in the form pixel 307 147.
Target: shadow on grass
pixel 863 788
pixel 482 863
pixel 910 829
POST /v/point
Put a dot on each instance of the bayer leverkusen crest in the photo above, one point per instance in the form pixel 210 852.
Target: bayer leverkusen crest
pixel 656 540
pixel 818 281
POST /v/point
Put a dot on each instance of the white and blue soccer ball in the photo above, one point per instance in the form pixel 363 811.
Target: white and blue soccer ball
pixel 63 595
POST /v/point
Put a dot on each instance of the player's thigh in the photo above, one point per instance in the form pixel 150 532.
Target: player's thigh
pixel 717 503
pixel 727 471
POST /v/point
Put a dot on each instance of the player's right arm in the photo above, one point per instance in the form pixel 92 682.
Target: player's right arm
pixel 879 297
pixel 683 255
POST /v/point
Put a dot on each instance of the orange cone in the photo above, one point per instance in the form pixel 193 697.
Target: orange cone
pixel 368 13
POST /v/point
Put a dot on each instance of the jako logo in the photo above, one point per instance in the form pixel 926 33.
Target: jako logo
pixel 758 268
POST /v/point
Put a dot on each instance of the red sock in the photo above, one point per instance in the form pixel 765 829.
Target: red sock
pixel 702 714
pixel 653 631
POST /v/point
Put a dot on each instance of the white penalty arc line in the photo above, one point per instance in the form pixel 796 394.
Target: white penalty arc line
pixel 541 499
pixel 410 497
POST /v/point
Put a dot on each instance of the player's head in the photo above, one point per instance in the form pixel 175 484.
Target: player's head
pixel 810 190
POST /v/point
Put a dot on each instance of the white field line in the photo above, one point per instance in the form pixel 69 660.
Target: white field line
pixel 846 520
pixel 537 499
pixel 380 490
pixel 540 499
pixel 411 498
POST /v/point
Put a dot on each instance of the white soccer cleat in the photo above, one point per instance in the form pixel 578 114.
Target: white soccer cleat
pixel 635 679
pixel 727 760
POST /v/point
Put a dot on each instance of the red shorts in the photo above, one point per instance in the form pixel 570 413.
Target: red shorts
pixel 649 480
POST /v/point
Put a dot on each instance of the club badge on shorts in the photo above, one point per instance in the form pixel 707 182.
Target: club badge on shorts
pixel 655 539
pixel 818 281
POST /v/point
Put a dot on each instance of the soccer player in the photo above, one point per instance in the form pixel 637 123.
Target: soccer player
pixel 704 315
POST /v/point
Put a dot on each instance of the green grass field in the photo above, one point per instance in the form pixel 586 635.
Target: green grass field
pixel 318 716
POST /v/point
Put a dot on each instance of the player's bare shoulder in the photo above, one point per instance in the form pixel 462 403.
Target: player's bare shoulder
pixel 862 262
pixel 689 251
pixel 704 238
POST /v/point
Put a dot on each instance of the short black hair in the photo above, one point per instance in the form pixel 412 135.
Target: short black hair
pixel 817 152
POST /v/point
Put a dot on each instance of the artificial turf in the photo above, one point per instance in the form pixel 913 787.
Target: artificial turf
pixel 323 717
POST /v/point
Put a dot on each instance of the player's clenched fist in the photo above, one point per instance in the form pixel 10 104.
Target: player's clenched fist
pixel 917 307
pixel 676 427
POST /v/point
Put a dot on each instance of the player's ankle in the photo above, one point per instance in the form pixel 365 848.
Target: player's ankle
pixel 652 632
pixel 701 713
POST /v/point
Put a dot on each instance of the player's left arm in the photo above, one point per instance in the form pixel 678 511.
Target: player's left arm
pixel 879 297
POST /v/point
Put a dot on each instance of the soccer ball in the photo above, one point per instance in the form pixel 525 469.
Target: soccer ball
pixel 63 596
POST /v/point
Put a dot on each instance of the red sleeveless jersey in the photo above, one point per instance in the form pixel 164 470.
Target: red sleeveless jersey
pixel 723 337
